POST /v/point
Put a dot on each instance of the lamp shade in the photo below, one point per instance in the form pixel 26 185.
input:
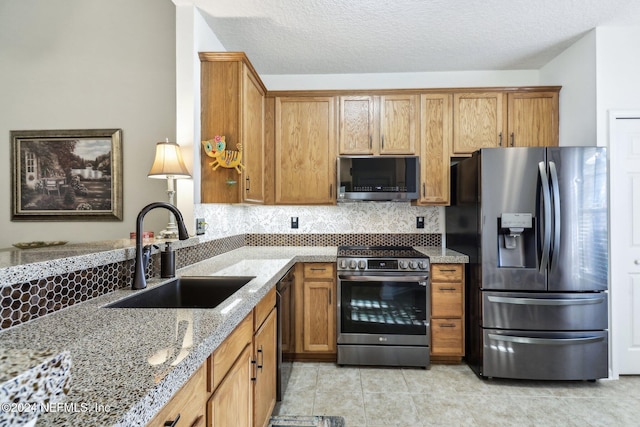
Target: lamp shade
pixel 168 162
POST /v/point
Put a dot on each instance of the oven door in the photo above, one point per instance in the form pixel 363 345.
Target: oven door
pixel 383 309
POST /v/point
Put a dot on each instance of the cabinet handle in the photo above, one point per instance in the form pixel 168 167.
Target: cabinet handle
pixel 254 371
pixel 172 423
pixel 261 363
pixel 447 325
pixel 424 189
pixel 383 142
pixel 447 289
pixel 370 142
pixel 330 296
pixel 513 138
pixel 248 180
pixel 500 140
pixel 448 270
pixel 197 421
pixel 330 190
pixel 318 269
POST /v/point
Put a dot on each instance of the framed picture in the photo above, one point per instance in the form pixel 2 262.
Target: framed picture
pixel 60 175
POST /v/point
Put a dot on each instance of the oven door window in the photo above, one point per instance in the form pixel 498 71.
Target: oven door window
pixel 383 307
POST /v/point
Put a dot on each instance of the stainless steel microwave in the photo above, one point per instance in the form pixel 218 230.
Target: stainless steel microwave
pixel 363 178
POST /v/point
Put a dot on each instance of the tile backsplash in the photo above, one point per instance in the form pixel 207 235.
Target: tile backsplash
pixel 348 218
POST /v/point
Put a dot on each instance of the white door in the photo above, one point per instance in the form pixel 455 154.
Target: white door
pixel 624 149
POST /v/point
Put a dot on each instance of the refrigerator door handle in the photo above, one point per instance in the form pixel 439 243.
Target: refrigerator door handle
pixel 555 247
pixel 546 301
pixel 545 341
pixel 546 196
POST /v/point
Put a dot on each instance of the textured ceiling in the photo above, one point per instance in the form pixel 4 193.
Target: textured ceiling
pixel 374 36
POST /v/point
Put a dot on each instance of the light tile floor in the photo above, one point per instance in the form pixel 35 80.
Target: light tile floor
pixel 452 395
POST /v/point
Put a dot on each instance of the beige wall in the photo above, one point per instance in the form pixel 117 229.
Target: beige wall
pixel 88 64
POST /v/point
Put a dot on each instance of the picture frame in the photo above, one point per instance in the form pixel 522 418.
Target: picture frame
pixel 66 175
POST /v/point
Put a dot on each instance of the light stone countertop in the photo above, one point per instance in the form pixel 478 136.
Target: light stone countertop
pixel 127 363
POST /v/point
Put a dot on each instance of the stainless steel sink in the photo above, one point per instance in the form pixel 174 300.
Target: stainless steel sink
pixel 186 292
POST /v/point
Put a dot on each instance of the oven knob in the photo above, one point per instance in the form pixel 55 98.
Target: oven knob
pixel 343 264
pixel 422 265
pixel 352 264
pixel 362 264
pixel 403 264
pixel 413 265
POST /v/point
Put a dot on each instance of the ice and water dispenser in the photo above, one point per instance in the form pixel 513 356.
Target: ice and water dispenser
pixel 516 241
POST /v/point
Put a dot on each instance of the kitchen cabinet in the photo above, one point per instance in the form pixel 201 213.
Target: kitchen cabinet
pixel 233 106
pixel 447 312
pixel 242 370
pixel 533 119
pixel 315 311
pixel 305 144
pixel 265 359
pixel 522 117
pixel 478 121
pixel 436 134
pixel 188 404
pixel 372 125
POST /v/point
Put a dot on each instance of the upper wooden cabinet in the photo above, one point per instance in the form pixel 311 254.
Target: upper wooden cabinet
pixel 233 105
pixel 507 118
pixel 386 124
pixel 533 119
pixel 305 154
pixel 436 134
pixel 478 121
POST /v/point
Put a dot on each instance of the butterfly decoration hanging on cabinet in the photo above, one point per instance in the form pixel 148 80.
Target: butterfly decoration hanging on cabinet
pixel 226 158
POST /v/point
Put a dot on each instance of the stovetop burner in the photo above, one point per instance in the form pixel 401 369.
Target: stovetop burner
pixel 379 252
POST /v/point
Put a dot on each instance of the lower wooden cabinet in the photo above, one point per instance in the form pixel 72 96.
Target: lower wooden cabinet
pixel 315 311
pixel 188 404
pixel 447 312
pixel 264 381
pixel 231 403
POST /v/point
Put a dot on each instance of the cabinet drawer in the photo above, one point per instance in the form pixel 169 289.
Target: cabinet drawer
pixel 263 308
pixel 447 337
pixel 319 270
pixel 446 272
pixel 189 403
pixel 446 299
pixel 226 354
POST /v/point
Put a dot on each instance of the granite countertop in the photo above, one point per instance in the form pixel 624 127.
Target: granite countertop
pixel 127 363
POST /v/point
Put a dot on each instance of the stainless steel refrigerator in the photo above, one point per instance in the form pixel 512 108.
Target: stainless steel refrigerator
pixel 534 224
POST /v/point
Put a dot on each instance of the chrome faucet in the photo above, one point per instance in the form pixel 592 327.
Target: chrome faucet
pixel 139 281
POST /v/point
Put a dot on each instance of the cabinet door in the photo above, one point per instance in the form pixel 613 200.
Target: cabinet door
pixel 533 119
pixel 356 125
pixel 253 110
pixel 305 150
pixel 447 337
pixel 398 124
pixel 319 331
pixel 188 403
pixel 231 404
pixel 478 121
pixel 436 133
pixel 264 387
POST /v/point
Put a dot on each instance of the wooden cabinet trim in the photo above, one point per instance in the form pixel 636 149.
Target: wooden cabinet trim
pixel 225 355
pixel 263 308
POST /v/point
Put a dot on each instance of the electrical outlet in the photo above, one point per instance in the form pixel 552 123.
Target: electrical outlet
pixel 294 222
pixel 201 226
pixel 420 222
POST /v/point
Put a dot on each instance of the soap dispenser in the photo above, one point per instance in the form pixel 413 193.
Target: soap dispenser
pixel 168 262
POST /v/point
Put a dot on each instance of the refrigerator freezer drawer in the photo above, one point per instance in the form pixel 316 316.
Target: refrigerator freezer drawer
pixel 545 312
pixel 545 355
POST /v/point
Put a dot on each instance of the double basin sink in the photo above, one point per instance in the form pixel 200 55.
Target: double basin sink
pixel 186 292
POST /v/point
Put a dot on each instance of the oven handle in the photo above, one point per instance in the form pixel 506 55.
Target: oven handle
pixel 384 278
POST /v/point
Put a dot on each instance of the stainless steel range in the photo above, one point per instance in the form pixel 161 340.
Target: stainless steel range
pixel 383 306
